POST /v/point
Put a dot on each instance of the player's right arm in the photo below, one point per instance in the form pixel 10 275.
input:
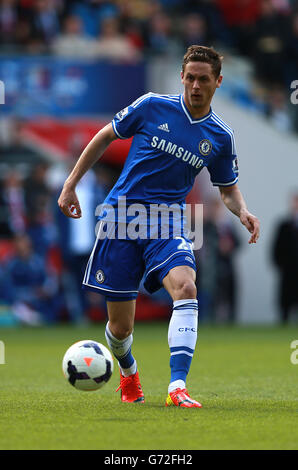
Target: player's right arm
pixel 68 201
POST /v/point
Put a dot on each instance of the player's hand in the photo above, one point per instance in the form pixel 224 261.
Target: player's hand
pixel 69 203
pixel 252 223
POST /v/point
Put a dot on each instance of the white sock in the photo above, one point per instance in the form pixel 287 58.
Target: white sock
pixel 176 384
pixel 121 348
pixel 182 337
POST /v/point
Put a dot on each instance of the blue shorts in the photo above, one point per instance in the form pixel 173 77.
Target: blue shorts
pixel 117 266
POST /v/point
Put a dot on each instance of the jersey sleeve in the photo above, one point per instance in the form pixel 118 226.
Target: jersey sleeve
pixel 224 169
pixel 129 121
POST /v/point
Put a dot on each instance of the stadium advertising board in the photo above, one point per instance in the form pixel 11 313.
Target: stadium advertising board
pixel 59 87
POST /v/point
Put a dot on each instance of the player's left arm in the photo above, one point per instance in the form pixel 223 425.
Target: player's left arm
pixel 234 201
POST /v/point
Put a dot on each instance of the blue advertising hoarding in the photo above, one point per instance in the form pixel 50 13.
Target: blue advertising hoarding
pixel 59 87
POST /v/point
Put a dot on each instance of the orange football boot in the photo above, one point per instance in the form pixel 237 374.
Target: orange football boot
pixel 131 390
pixel 180 397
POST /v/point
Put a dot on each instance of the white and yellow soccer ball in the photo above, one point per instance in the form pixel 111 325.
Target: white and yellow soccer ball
pixel 87 365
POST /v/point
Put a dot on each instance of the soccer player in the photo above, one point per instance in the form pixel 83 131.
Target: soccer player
pixel 175 136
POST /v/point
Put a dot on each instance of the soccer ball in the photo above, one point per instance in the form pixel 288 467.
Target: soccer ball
pixel 87 365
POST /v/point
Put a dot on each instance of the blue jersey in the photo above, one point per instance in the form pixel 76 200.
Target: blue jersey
pixel 169 149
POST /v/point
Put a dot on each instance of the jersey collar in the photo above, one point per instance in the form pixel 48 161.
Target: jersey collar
pixel 189 116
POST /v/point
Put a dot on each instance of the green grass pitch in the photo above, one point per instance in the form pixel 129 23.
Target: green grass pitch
pixel 243 377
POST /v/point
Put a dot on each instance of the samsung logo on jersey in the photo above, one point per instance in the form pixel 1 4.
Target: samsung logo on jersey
pixel 179 152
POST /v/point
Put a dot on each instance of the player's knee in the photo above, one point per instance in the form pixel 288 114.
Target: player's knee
pixel 119 331
pixel 185 290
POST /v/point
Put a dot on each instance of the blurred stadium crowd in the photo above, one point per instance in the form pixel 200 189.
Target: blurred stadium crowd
pixel 263 31
pixel 42 254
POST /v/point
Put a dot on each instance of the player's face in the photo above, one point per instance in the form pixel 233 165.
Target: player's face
pixel 199 87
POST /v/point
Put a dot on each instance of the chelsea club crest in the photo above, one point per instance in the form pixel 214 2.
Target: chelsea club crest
pixel 99 276
pixel 205 147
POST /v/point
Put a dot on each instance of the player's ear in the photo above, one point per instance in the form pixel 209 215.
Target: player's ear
pixel 182 75
pixel 219 80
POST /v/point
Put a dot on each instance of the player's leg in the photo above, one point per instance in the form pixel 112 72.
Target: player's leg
pixel 170 263
pixel 119 334
pixel 182 333
pixel 115 269
pixel 180 283
pixel 119 337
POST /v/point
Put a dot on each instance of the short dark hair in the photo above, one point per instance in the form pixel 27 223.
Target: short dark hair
pixel 203 54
